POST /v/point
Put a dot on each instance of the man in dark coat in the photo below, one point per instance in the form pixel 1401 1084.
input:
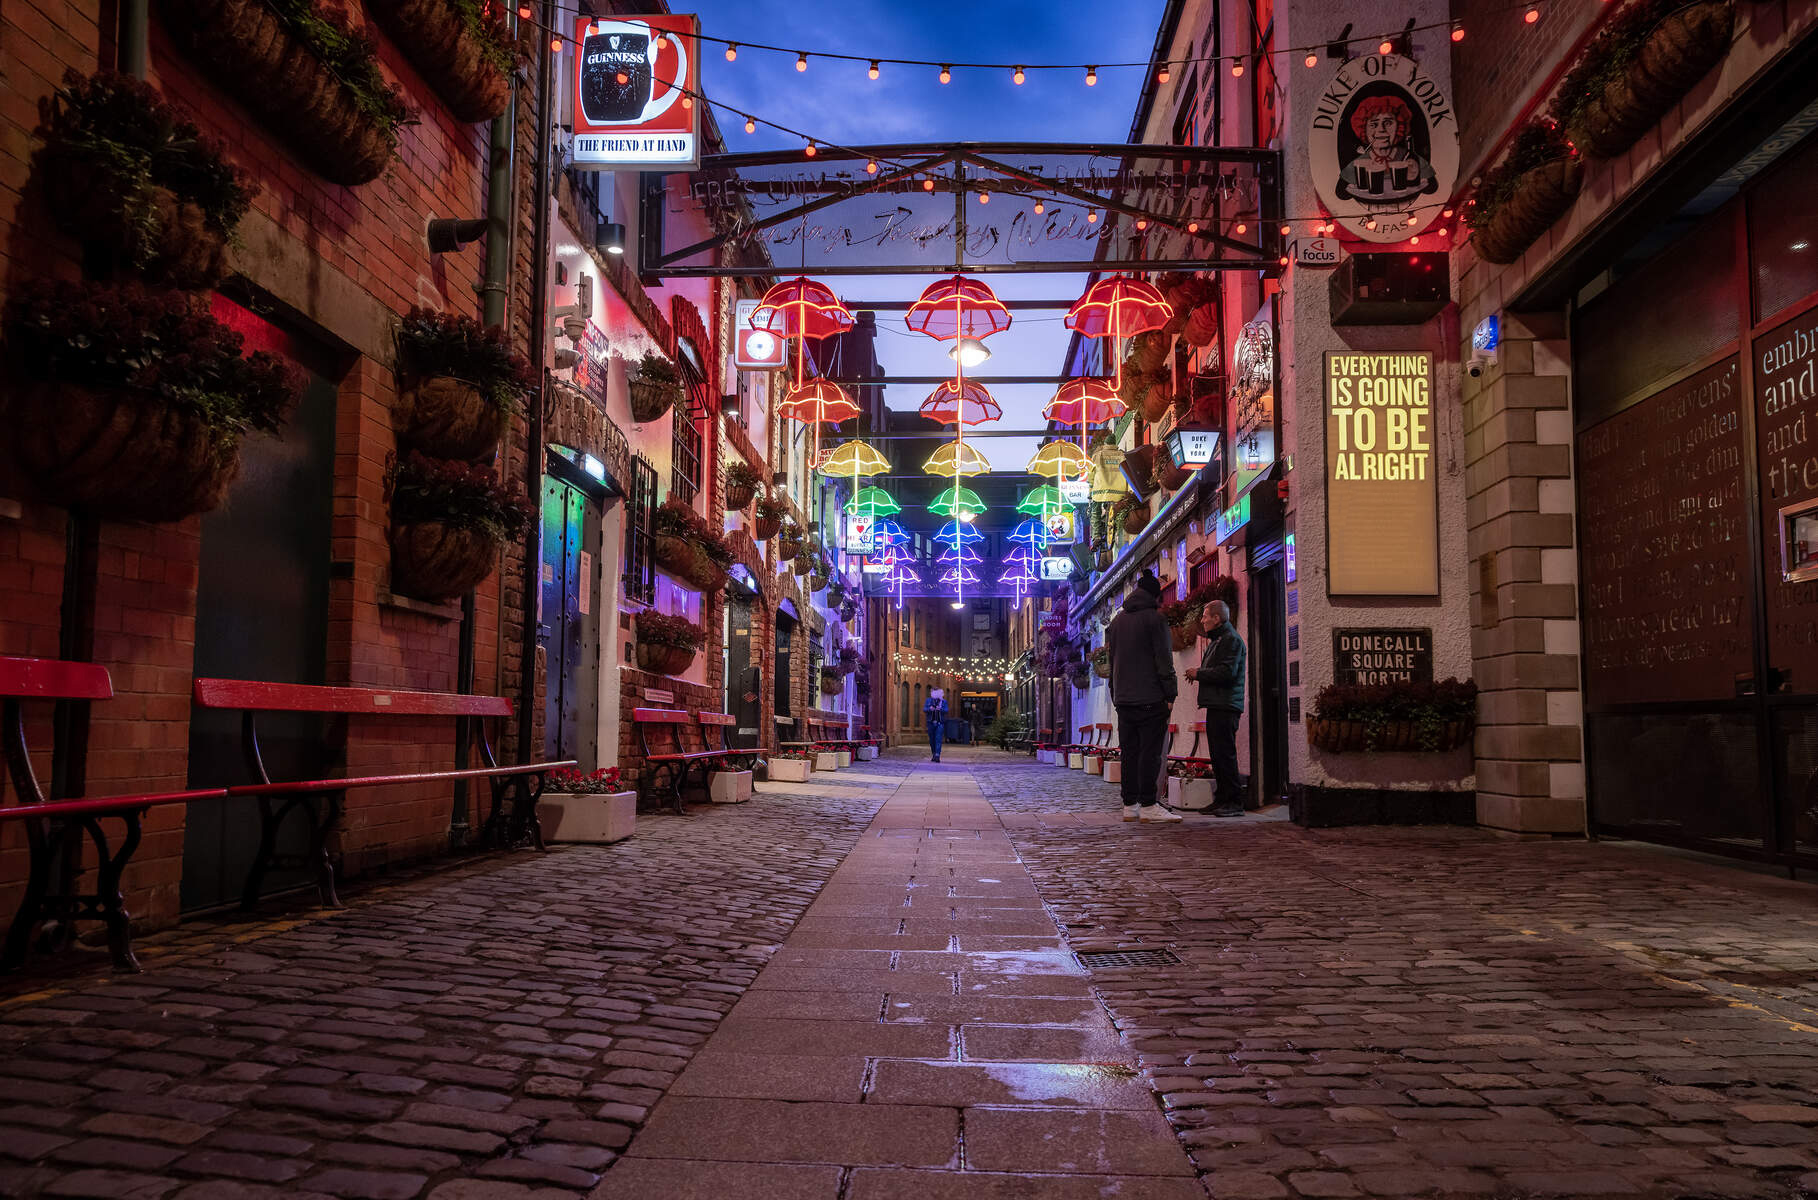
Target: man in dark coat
pixel 1220 676
pixel 1143 687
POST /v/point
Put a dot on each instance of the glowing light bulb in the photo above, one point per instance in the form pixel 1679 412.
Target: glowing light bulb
pixel 811 151
pixel 1242 228
pixel 1091 216
pixel 1370 223
pixel 1286 230
pixel 871 167
pixel 750 125
pixel 687 101
pixel 1415 240
pixel 872 72
pixel 1039 206
pixel 1284 260
pixel 1458 33
pixel 1161 76
pixel 801 62
pixel 523 12
pixel 1091 76
pixel 1016 76
pixel 1387 47
pixel 555 43
pixel 1447 214
pixel 1444 232
pixel 1142 223
pixel 1192 226
pixel 927 185
pixel 1312 59
pixel 1237 69
pixel 984 197
pixel 1532 15
pixel 732 51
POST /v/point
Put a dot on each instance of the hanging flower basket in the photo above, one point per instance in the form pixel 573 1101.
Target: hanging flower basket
pixel 466 57
pixel 816 582
pixel 677 556
pixel 802 565
pixel 1101 662
pixel 1168 475
pixel 448 522
pixel 1135 515
pixel 663 660
pixel 1522 195
pixel 1201 328
pixel 832 682
pixel 131 176
pixel 1149 351
pixel 460 384
pixel 742 482
pixel 1637 68
pixel 432 560
pixel 665 645
pixel 765 528
pixel 304 73
pixel 1183 623
pixel 1157 400
pixel 449 418
pixel 655 389
pixel 129 404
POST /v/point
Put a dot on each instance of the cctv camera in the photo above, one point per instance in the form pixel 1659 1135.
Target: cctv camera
pixel 1480 361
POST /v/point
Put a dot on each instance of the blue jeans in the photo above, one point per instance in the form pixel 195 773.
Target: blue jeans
pixel 935 730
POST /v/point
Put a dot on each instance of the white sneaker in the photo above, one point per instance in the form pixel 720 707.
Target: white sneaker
pixel 1155 813
pixel 1130 811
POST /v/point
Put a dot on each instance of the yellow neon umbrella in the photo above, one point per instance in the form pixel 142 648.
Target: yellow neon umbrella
pixel 855 459
pixel 1059 460
pixel 955 459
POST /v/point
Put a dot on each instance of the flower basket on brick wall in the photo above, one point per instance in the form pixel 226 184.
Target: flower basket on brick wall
pixel 1201 328
pixel 461 384
pixel 663 660
pixel 765 528
pixel 432 560
pixel 1637 68
pixel 131 176
pixel 654 389
pixel 131 404
pixel 665 645
pixel 307 75
pixel 466 57
pixel 742 482
pixel 1157 399
pixel 1539 198
pixel 832 682
pixel 449 418
pixel 1133 511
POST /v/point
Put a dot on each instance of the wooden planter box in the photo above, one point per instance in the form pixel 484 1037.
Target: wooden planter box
pixel 1681 50
pixel 1189 795
pixel 1393 737
pixel 790 770
pixel 585 818
pixel 1540 198
pixel 729 787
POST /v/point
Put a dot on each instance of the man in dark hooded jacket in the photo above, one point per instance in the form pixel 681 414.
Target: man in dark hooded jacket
pixel 1143 687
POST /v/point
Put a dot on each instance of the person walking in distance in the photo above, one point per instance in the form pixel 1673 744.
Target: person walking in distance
pixel 1220 675
pixel 1143 688
pixel 934 713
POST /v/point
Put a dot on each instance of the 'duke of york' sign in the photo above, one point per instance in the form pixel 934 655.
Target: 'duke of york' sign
pixel 1383 147
pixel 1382 656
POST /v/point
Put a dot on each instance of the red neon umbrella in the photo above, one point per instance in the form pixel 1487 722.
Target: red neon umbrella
pixel 1121 307
pixel 958 307
pixel 816 401
pixel 957 400
pixel 1086 401
pixel 801 308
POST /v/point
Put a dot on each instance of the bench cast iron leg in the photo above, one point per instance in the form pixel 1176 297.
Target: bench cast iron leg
pixel 322 826
pixel 112 901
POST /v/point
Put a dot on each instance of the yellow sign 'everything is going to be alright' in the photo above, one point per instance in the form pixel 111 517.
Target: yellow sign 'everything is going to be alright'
pixel 1382 497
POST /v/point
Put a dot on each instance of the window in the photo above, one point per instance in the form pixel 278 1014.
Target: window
pixel 640 508
pixel 685 474
pixel 905 705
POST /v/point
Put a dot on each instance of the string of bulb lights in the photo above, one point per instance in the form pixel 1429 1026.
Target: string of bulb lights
pixel 1386 43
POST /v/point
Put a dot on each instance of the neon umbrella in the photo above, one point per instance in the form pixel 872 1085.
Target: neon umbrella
pixel 1041 500
pixel 899 575
pixel 955 459
pixel 887 531
pixel 1085 401
pixel 957 307
pixel 957 533
pixel 1059 460
pixel 959 575
pixel 1030 532
pixel 801 308
pixel 959 502
pixel 960 553
pixel 873 502
pixel 818 401
pixel 961 400
pixel 1120 306
pixel 855 459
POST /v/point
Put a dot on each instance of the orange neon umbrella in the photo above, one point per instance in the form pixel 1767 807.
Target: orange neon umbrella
pixel 801 308
pixel 817 401
pixel 958 307
pixel 957 400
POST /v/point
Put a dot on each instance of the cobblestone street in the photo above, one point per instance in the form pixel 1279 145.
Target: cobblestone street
pixel 864 988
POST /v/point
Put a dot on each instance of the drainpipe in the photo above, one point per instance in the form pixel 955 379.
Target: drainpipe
pixel 135 29
pixel 494 297
pixel 539 359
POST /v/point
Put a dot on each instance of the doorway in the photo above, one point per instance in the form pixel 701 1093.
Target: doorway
pixel 1269 707
pixel 744 676
pixel 262 613
pixel 568 620
pixel 785 642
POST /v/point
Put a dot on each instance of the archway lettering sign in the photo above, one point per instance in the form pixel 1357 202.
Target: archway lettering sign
pixel 1383 147
pixel 970 207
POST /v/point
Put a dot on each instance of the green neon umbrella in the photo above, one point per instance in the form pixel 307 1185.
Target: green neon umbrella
pixel 958 502
pixel 873 502
pixel 1042 500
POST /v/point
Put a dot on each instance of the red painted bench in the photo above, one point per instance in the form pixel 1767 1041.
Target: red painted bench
pixel 1191 756
pixel 515 788
pixel 51 825
pixel 744 757
pixel 661 732
pixel 1101 740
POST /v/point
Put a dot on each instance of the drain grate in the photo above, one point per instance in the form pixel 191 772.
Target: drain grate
pixel 1100 960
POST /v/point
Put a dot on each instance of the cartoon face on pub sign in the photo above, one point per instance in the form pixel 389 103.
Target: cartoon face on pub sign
pixel 1383 147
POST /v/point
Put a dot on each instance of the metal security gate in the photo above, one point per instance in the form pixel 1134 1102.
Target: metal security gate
pixel 1696 396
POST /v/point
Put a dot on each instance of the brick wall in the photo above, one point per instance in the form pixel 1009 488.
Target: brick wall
pixel 333 266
